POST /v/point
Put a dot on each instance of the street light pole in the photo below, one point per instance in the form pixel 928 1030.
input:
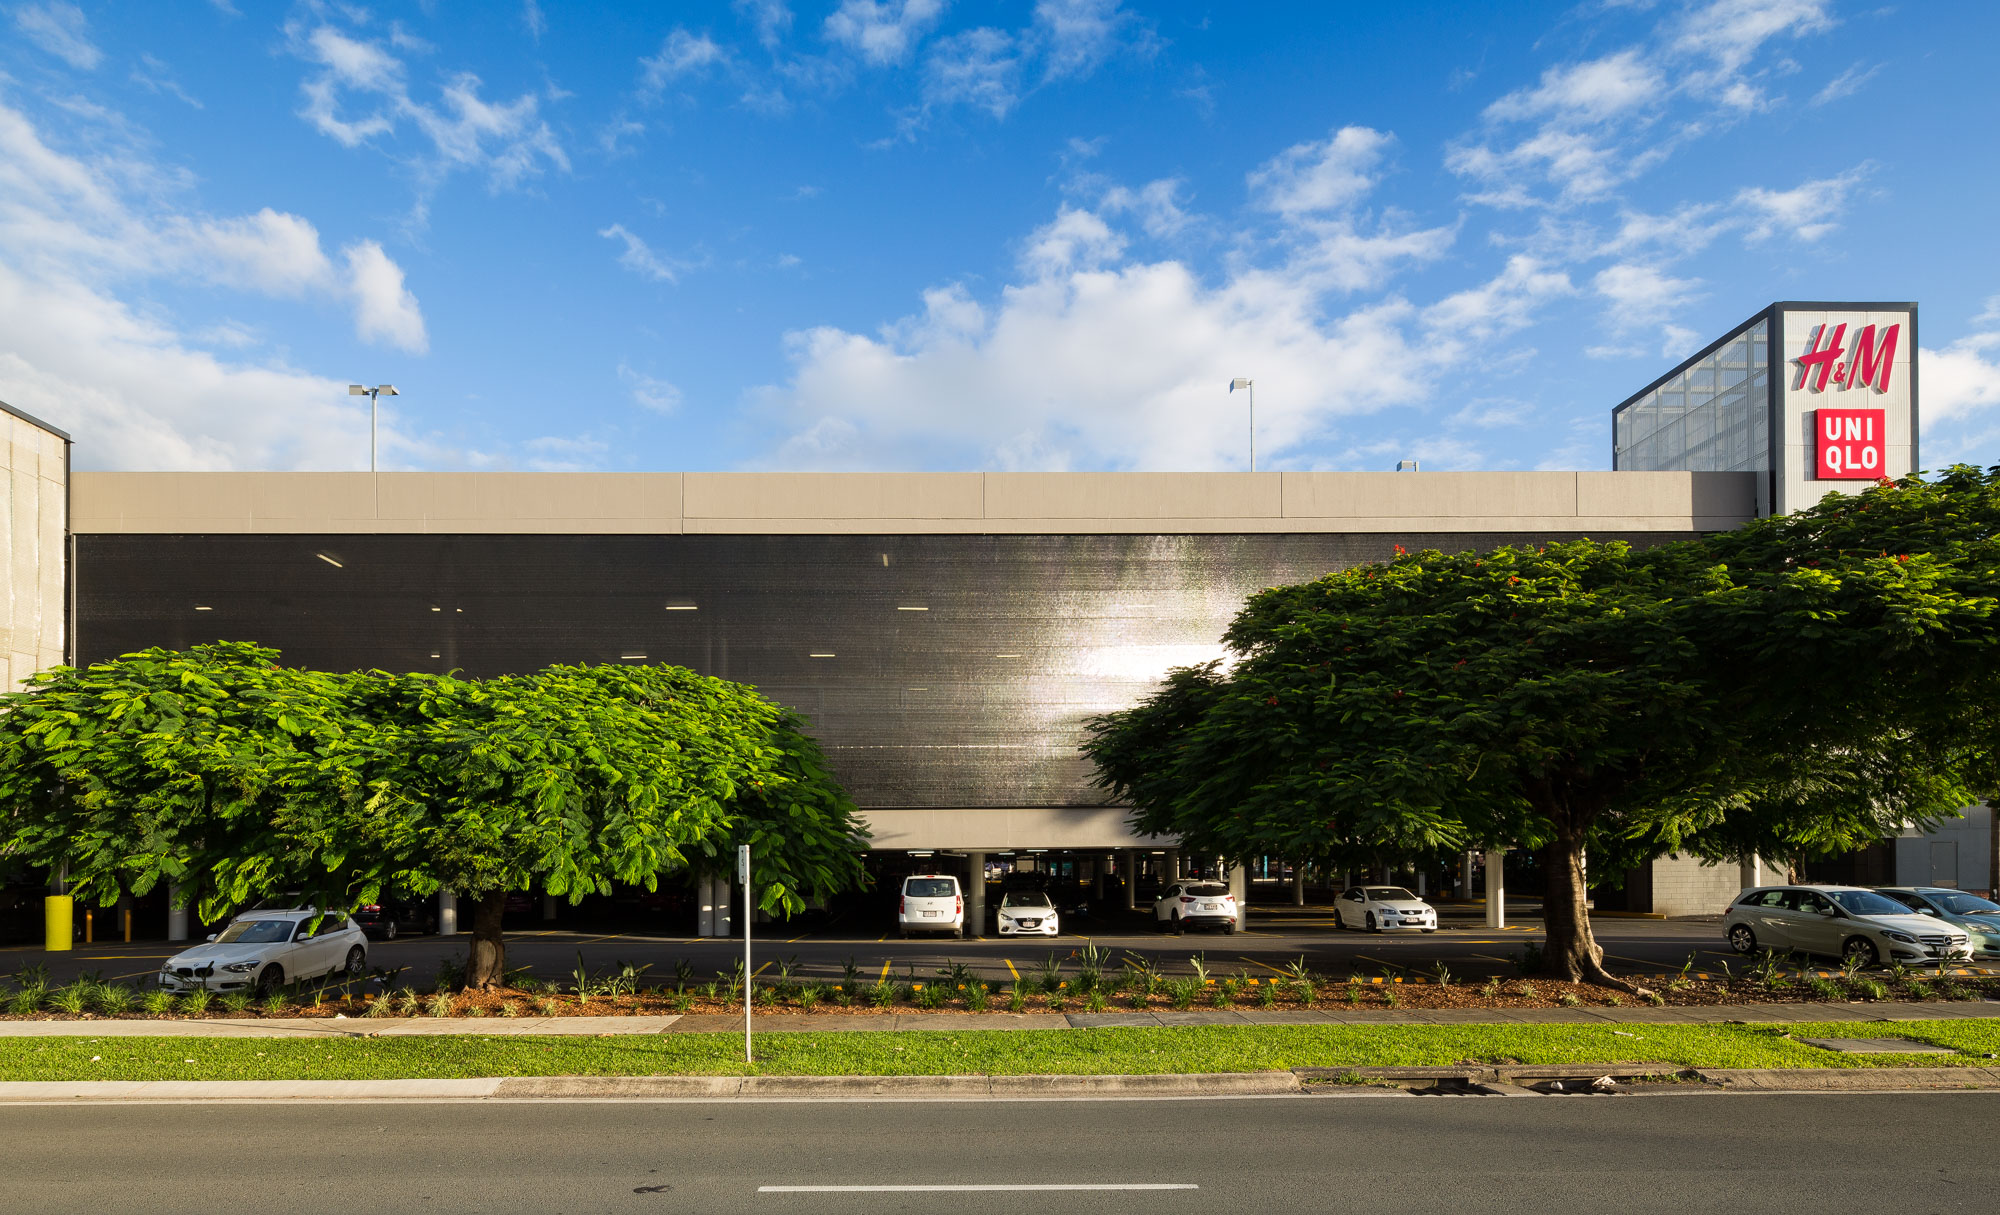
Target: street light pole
pixel 743 871
pixel 1251 386
pixel 358 390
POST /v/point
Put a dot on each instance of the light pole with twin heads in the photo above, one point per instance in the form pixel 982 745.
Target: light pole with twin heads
pixel 1233 386
pixel 358 390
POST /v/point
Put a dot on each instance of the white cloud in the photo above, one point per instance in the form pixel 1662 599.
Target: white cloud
pixel 1805 212
pixel 1593 91
pixel 62 30
pixel 558 453
pixel 1847 84
pixel 155 77
pixel 978 68
pixel 534 19
pixel 1074 240
pixel 385 309
pixel 1078 35
pixel 1313 177
pixel 639 256
pixel 648 392
pixel 681 54
pixel 1964 377
pixel 882 31
pixel 1641 295
pixel 1732 32
pixel 772 19
pixel 360 94
pixel 1156 204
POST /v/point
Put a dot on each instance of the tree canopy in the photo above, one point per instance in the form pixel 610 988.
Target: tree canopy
pixel 1813 679
pixel 235 777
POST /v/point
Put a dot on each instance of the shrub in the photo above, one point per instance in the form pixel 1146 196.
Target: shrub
pixel 1392 995
pixel 1952 989
pixel 882 995
pixel 1655 999
pixel 1181 993
pixel 976 996
pixel 683 1002
pixel 1614 1000
pixel 1267 995
pixel 384 1006
pixel 1093 1000
pixel 1049 973
pixel 1871 989
pixel 439 1004
pixel 235 1001
pixel 26 1002
pixel 1490 988
pixel 1055 1000
pixel 809 996
pixel 157 1002
pixel 195 1003
pixel 933 996
pixel 276 1001
pixel 1017 998
pixel 509 1009
pixel 72 999
pixel 767 996
pixel 546 1006
pixel 1824 989
pixel 114 999
pixel 1919 989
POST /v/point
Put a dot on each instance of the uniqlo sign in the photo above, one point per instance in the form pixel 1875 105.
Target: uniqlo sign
pixel 1850 443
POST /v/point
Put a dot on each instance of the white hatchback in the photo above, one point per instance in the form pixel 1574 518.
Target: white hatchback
pixel 931 902
pixel 264 950
pixel 1188 905
pixel 1028 913
pixel 1378 907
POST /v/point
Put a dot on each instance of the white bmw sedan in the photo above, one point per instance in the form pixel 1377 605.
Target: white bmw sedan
pixel 1378 907
pixel 264 950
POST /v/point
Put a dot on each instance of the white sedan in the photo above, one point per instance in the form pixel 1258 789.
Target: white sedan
pixel 1378 907
pixel 264 950
pixel 1027 913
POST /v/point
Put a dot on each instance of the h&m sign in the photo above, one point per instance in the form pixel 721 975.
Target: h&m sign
pixel 1851 443
pixel 1866 365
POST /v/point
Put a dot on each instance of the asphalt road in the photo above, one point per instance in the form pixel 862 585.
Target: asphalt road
pixel 1276 936
pixel 1410 1155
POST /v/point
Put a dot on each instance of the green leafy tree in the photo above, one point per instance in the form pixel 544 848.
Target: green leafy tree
pixel 237 778
pixel 1802 680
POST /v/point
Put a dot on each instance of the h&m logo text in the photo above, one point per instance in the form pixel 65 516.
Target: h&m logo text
pixel 1868 366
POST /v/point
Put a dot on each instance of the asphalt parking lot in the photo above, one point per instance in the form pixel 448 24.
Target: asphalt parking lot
pixel 1276 936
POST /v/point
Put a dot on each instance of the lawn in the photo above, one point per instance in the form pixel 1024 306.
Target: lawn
pixel 1180 1049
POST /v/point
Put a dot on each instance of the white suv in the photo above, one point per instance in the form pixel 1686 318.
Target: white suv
pixel 931 902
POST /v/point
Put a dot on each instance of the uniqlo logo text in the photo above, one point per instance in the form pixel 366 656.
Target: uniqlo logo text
pixel 1852 444
pixel 1827 362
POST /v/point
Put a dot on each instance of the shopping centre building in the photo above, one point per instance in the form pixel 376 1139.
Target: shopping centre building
pixel 948 634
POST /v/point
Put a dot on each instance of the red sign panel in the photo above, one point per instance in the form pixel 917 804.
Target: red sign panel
pixel 1852 443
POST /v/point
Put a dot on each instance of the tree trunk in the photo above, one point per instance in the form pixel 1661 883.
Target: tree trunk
pixel 1572 952
pixel 488 964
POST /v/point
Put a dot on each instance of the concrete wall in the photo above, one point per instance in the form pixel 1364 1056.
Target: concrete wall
pixel 34 462
pixel 988 830
pixel 906 503
pixel 1958 853
pixel 1682 885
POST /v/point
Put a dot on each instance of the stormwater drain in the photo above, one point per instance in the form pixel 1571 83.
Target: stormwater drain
pixel 1878 1046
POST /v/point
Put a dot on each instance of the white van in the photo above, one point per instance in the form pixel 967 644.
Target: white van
pixel 931 902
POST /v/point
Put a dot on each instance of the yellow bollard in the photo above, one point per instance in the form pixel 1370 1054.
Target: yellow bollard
pixel 128 925
pixel 89 927
pixel 58 922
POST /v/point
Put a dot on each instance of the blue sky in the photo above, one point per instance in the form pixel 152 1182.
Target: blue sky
pixel 947 234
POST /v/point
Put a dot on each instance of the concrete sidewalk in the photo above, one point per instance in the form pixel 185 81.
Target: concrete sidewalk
pixel 496 1027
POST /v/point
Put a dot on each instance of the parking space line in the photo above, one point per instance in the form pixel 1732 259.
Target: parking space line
pixel 885 971
pixel 1011 970
pixel 1254 962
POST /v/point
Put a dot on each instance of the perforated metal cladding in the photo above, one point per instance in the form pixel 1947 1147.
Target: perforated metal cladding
pixel 977 700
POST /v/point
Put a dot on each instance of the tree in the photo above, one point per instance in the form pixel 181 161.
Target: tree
pixel 1589 693
pixel 236 778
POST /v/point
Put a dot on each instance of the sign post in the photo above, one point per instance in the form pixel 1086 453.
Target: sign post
pixel 743 872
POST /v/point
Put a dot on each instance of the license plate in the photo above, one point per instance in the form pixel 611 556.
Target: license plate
pixel 930 915
pixel 1211 907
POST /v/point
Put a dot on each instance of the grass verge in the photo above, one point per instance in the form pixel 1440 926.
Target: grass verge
pixel 1180 1049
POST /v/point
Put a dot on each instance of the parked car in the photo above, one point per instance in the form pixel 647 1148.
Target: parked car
pixel 1840 922
pixel 931 902
pixel 390 918
pixel 1979 917
pixel 1028 913
pixel 1378 907
pixel 264 950
pixel 1188 905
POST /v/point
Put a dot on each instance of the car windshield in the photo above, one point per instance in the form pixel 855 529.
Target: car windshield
pixel 929 888
pixel 1966 904
pixel 1208 890
pixel 1391 894
pixel 256 932
pixel 1867 902
pixel 1026 899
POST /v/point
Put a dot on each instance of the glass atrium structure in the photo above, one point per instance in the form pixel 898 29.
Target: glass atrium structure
pixel 1710 414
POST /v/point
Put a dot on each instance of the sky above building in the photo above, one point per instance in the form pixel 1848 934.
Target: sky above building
pixel 954 234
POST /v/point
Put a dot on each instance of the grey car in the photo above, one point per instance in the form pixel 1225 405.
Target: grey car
pixel 1979 917
pixel 1839 922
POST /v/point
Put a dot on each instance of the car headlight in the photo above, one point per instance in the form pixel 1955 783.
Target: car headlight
pixel 1904 937
pixel 242 967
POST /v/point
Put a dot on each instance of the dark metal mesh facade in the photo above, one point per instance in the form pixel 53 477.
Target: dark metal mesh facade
pixel 976 700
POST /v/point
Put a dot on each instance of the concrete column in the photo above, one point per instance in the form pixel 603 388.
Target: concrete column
pixel 1496 889
pixel 1131 868
pixel 1420 883
pixel 1173 867
pixel 1298 883
pixel 1097 867
pixel 1465 876
pixel 1750 871
pixel 177 914
pixel 548 907
pixel 447 913
pixel 725 906
pixel 1239 885
pixel 975 894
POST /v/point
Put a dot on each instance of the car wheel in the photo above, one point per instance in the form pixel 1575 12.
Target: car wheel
pixel 1430 930
pixel 1338 923
pixel 958 934
pixel 1371 923
pixel 1862 950
pixel 1229 929
pixel 357 963
pixel 270 979
pixel 389 930
pixel 1180 929
pixel 1742 940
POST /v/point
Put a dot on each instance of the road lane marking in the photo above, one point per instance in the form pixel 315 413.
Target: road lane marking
pixel 973 1189
pixel 1266 965
pixel 885 970
pixel 1011 970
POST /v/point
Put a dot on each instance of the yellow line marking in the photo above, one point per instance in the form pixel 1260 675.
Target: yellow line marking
pixel 1362 957
pixel 1011 970
pixel 885 971
pixel 1254 962
pixel 760 970
pixel 794 940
